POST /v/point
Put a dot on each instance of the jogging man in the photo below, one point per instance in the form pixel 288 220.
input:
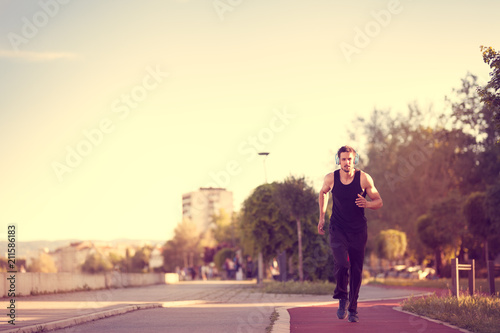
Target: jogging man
pixel 348 226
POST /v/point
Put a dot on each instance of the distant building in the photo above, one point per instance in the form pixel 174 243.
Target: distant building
pixel 156 259
pixel 200 206
pixel 70 258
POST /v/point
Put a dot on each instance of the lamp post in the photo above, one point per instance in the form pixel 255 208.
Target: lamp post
pixel 265 171
pixel 260 260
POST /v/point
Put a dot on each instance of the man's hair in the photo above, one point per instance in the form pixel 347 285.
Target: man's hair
pixel 346 149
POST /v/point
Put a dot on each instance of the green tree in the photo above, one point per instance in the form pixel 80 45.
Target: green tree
pixel 442 228
pixel 419 158
pixel 490 94
pixel 469 113
pixel 139 263
pixel 477 218
pixel 263 226
pixel 318 263
pixel 432 237
pixel 96 263
pixel 391 244
pixel 297 199
pixel 224 230
pixel 492 203
pixel 402 151
pixel 117 261
pixel 221 256
pixel 184 249
pixel 473 115
pixel 449 220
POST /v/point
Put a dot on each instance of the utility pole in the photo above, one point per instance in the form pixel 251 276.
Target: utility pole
pixel 260 260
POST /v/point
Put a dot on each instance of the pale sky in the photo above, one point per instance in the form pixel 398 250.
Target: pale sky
pixel 111 110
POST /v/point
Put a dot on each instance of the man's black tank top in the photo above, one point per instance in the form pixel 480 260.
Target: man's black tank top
pixel 346 216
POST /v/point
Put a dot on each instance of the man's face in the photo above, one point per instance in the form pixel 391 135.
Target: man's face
pixel 347 161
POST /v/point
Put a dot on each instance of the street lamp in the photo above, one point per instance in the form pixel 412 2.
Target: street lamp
pixel 260 260
pixel 265 172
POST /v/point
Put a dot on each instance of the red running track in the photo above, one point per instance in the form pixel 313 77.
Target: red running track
pixel 374 317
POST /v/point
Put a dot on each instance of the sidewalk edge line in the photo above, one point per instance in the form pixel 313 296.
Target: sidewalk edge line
pixel 400 309
pixel 65 323
pixel 174 304
pixel 282 324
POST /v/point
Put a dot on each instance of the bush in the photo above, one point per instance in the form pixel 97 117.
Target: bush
pixel 301 288
pixel 221 256
pixel 95 263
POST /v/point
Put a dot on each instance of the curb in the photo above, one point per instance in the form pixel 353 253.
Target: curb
pixel 65 323
pixel 83 319
pixel 282 324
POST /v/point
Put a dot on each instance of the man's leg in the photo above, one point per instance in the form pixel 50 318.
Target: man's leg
pixel 338 244
pixel 356 257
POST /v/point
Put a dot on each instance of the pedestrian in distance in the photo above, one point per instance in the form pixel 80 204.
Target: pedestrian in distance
pixel 348 226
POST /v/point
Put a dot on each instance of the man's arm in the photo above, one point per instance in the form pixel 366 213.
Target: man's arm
pixel 376 200
pixel 323 201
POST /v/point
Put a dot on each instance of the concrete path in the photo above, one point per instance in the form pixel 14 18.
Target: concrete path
pixel 213 301
pixel 49 312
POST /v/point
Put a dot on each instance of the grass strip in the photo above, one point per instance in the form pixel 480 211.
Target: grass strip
pixel 300 288
pixel 481 284
pixel 478 313
pixel 274 316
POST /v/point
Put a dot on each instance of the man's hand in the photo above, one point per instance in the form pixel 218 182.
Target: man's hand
pixel 321 224
pixel 361 202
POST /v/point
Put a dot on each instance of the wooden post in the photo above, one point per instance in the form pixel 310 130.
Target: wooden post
pixel 472 277
pixel 282 266
pixel 454 277
pixel 491 276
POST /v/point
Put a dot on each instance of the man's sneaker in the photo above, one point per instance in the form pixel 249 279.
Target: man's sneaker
pixel 342 311
pixel 353 317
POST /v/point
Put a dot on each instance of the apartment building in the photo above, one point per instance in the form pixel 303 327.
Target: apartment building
pixel 201 205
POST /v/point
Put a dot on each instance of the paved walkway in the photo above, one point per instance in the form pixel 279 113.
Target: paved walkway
pixel 55 311
pixel 298 313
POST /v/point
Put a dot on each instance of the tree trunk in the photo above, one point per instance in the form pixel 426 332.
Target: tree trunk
pixel 290 265
pixel 486 250
pixel 299 236
pixel 438 262
pixel 282 266
pixel 260 268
